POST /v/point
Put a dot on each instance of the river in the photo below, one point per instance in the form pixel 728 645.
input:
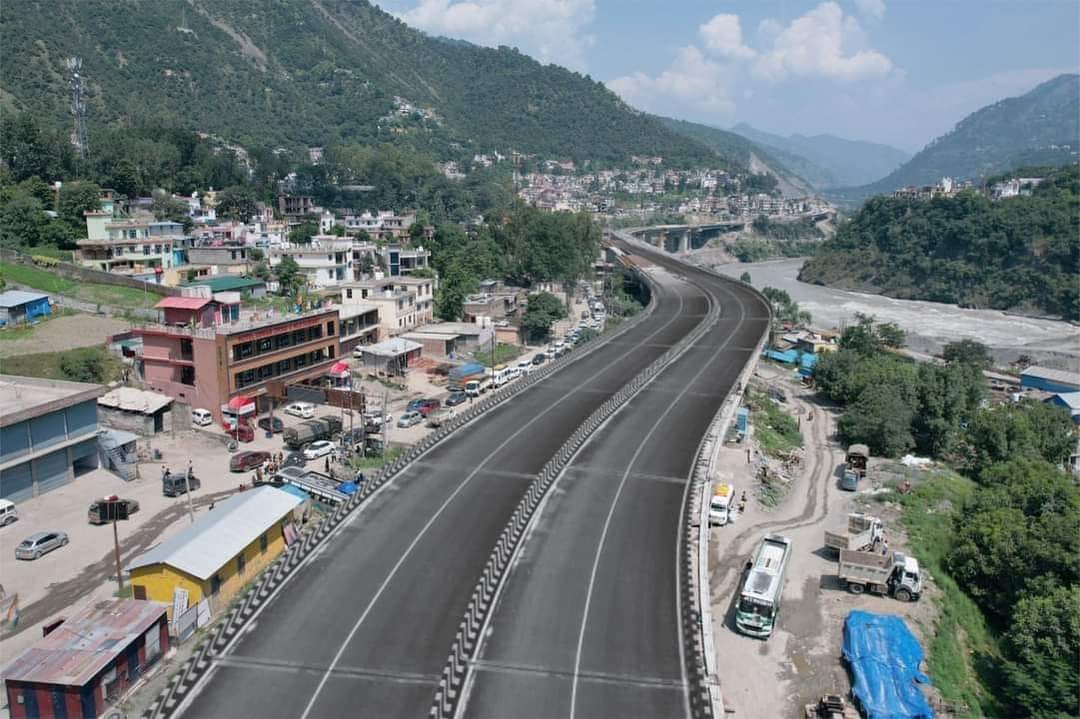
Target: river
pixel 930 325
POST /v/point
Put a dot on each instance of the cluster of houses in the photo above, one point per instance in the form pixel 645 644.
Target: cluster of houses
pixel 713 193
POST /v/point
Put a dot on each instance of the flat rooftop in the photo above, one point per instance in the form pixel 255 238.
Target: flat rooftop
pixel 22 398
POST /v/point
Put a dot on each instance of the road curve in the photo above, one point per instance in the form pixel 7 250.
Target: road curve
pixel 588 623
pixel 364 628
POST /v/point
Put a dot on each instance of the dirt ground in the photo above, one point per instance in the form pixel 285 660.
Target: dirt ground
pixel 801 660
pixel 64 333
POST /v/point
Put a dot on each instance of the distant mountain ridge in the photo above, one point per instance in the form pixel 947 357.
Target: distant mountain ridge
pixel 826 160
pixel 301 73
pixel 1041 127
pixel 742 152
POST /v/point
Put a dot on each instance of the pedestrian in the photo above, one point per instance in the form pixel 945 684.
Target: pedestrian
pixel 164 472
pixel 885 548
pixel 328 465
pixel 211 507
pixel 189 474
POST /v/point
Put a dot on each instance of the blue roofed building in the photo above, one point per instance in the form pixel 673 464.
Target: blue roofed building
pixel 1050 380
pixel 18 307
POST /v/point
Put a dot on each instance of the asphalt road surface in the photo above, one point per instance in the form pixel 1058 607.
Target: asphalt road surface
pixel 588 624
pixel 364 628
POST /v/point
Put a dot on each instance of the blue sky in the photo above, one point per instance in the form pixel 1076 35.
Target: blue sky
pixel 889 71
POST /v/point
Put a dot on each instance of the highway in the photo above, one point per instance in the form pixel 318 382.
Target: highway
pixel 588 623
pixel 365 627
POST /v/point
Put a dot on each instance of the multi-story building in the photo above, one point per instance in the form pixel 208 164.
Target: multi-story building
pixel 403 302
pixel 231 259
pixel 406 260
pixel 209 352
pixel 326 262
pixel 129 245
pixel 358 325
pixel 295 205
pixel 48 434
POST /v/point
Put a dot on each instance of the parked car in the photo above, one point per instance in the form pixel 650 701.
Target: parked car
pixel 96 513
pixel 40 543
pixel 352 437
pixel 8 513
pixel 408 419
pixel 265 424
pixel 173 485
pixel 201 417
pixel 318 449
pixel 242 433
pixel 293 459
pixel 415 404
pixel 524 367
pixel 539 359
pixel 428 406
pixel 243 461
pixel 374 418
pixel 456 398
pixel 305 410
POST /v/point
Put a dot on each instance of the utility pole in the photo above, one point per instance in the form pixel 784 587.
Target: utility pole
pixel 116 546
pixel 187 486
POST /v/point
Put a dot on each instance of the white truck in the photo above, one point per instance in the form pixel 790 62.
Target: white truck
pixel 863 533
pixel 720 505
pixel 889 573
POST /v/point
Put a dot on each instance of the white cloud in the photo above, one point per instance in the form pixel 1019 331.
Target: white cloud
pixel 549 30
pixel 723 37
pixel 692 79
pixel 821 43
pixel 872 10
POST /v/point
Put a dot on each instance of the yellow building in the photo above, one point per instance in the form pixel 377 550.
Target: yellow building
pixel 218 554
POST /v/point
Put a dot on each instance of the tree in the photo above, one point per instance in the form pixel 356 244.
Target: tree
pixel 27 150
pixel 167 207
pixel 289 275
pixel 83 366
pixel 890 335
pixel 968 352
pixel 1022 429
pixel 21 220
pixel 881 419
pixel 542 311
pixel 1043 650
pixel 75 199
pixel 745 277
pixel 261 270
pixel 125 178
pixel 236 203
pixel 302 234
pixel 455 286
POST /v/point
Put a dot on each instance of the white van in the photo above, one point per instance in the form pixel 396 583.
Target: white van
pixel 8 513
pixel 201 417
pixel 720 506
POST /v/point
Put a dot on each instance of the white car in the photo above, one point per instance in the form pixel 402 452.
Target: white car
pixel 410 418
pixel 304 410
pixel 318 449
pixel 524 367
pixel 201 417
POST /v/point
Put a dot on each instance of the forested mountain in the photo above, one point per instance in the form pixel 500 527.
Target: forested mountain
pixel 826 160
pixel 1020 253
pixel 740 151
pixel 1041 127
pixel 300 73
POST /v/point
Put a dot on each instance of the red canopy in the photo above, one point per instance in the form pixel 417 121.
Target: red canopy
pixel 241 405
pixel 340 369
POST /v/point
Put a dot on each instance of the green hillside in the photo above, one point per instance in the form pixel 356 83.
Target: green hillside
pixel 1020 253
pixel 296 73
pixel 1041 127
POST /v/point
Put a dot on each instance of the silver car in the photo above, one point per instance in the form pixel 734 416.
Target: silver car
pixel 408 419
pixel 40 543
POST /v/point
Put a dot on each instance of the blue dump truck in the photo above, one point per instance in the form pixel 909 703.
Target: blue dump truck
pixel 460 376
pixel 885 660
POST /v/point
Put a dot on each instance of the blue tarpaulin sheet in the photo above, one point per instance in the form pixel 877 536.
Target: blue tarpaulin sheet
pixel 884 657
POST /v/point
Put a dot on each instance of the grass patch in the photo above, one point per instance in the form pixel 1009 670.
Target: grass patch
pixel 16 333
pixel 45 281
pixel 85 364
pixel 503 353
pixel 963 652
pixel 389 456
pixel 776 432
pixel 125 593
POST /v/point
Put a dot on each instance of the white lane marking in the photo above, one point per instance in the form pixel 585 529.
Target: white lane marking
pixel 442 508
pixel 607 524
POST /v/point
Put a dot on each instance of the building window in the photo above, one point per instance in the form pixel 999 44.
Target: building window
pixel 265 345
pixel 241 562
pixel 215 584
pixel 263 542
pixel 299 337
pixel 283 366
pixel 348 294
pixel 330 328
pixel 282 340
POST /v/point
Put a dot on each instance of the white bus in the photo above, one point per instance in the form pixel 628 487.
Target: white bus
pixel 759 600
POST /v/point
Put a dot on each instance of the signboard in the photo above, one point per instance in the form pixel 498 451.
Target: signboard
pixel 179 602
pixel 203 609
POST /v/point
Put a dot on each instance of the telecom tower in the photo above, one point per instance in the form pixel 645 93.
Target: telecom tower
pixel 78 105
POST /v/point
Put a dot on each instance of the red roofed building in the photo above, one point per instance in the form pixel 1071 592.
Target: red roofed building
pixel 88 662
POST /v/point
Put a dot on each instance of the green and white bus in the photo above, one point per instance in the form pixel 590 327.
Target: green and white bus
pixel 759 600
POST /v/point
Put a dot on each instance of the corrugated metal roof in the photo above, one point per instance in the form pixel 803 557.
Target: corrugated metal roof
pixel 216 537
pixel 224 284
pixel 73 653
pixel 182 303
pixel 134 400
pixel 1053 375
pixel 392 347
pixel 14 298
pixel 1070 400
